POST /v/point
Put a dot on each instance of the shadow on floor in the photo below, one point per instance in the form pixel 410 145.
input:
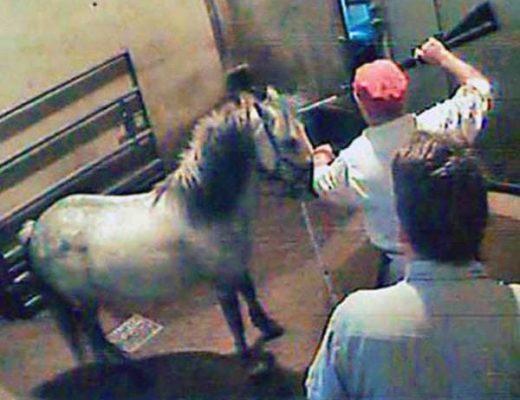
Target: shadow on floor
pixel 190 375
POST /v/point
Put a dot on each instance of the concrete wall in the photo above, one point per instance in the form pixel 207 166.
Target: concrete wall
pixel 409 22
pixel 292 44
pixel 46 42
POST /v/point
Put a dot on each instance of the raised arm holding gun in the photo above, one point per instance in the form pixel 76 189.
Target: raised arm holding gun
pixel 380 89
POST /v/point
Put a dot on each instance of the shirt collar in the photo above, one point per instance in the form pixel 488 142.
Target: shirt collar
pixel 391 134
pixel 428 270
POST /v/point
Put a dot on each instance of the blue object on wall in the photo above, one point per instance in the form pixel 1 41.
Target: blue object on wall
pixel 358 17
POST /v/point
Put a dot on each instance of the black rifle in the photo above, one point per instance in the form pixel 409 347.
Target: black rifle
pixel 480 21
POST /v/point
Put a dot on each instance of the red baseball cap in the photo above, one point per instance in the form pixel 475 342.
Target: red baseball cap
pixel 381 86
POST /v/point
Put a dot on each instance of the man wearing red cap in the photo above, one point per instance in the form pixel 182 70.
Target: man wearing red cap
pixel 380 89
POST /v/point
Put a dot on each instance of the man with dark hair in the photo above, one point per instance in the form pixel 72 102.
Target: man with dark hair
pixel 447 331
pixel 380 89
pixel 441 198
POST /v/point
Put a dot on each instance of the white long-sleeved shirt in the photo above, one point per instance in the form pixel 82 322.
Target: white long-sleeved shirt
pixel 365 165
pixel 446 332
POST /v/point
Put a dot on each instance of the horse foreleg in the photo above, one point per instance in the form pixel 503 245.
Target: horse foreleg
pixel 228 300
pixel 270 328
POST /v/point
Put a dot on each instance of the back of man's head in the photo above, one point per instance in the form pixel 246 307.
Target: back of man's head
pixel 380 88
pixel 441 198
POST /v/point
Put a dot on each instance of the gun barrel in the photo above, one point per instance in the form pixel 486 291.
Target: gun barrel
pixel 471 34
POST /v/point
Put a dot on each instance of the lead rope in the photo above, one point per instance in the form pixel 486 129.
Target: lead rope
pixel 333 298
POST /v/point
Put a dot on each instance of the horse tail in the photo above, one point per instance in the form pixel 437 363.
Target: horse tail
pixel 64 312
pixel 25 234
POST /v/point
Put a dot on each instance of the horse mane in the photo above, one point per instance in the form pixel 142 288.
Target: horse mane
pixel 219 145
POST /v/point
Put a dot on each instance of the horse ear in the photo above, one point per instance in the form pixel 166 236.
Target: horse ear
pixel 271 94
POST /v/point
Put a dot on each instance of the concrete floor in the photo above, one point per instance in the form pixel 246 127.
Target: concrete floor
pixel 192 358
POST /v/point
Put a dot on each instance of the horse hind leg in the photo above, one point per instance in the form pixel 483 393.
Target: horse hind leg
pixel 69 324
pixel 108 354
pixel 104 351
pixel 270 328
pixel 66 319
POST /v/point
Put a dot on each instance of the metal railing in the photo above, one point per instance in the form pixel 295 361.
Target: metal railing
pixel 131 167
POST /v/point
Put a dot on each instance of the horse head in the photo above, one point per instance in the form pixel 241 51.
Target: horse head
pixel 283 148
pixel 224 141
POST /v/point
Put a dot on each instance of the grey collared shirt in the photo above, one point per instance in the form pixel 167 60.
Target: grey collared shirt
pixel 445 332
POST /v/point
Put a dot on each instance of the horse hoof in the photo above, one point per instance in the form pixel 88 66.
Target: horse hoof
pixel 140 379
pixel 260 368
pixel 272 332
pixel 114 355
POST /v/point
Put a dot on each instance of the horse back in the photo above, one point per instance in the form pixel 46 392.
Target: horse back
pixel 83 239
pixel 121 249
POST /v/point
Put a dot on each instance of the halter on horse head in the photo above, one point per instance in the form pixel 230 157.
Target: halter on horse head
pixel 286 135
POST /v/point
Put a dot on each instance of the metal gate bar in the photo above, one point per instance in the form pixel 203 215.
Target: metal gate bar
pixel 132 167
